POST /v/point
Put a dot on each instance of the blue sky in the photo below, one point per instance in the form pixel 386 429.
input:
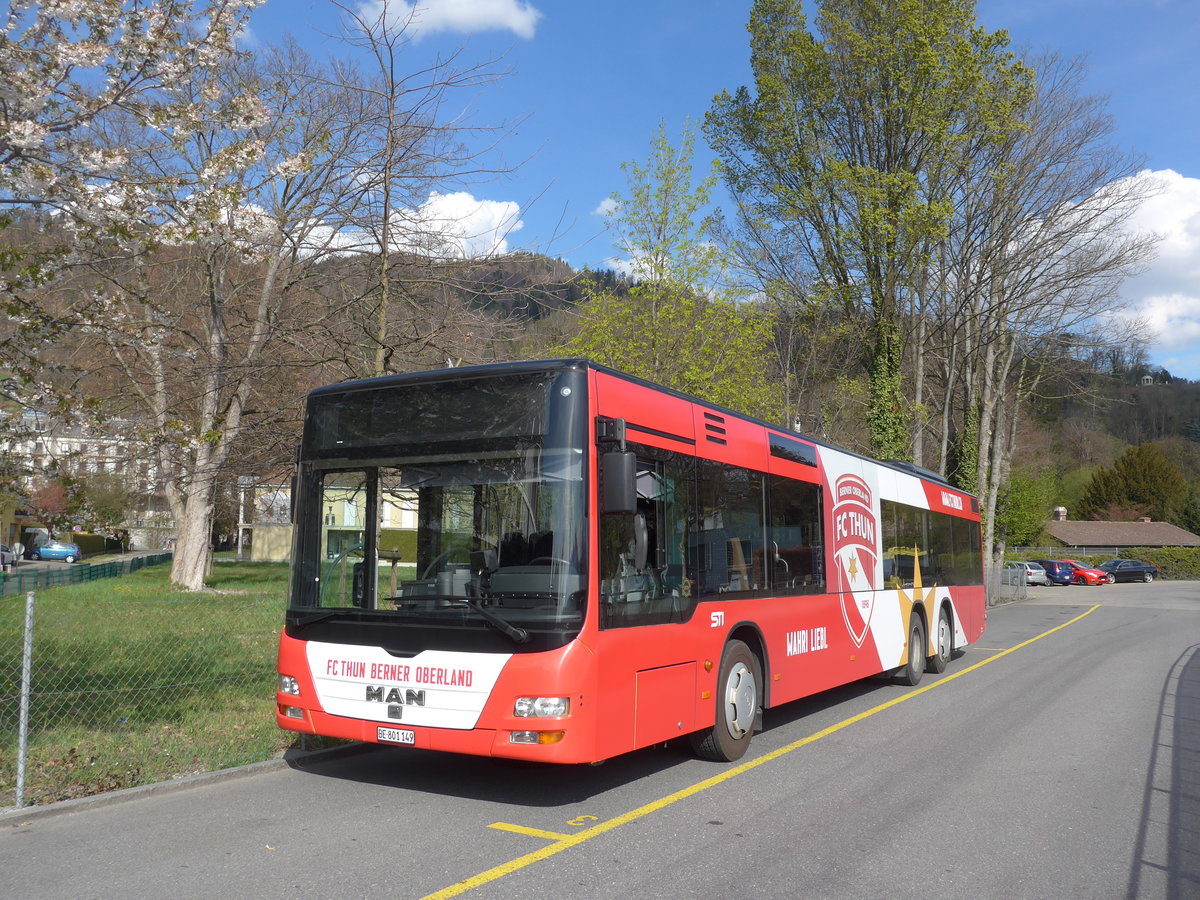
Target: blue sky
pixel 591 81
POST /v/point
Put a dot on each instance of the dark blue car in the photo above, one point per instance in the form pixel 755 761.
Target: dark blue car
pixel 1057 571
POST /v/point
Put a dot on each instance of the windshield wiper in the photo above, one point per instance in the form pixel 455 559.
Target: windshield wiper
pixel 518 634
pixel 301 621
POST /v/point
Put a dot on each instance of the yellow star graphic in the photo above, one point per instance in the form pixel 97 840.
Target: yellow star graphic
pixel 854 565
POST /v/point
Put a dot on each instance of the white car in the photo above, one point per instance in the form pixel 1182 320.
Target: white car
pixel 1035 573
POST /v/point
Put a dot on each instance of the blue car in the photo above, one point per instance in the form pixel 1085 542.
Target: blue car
pixel 1057 571
pixel 56 550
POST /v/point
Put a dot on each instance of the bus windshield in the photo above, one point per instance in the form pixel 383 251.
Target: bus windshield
pixel 472 517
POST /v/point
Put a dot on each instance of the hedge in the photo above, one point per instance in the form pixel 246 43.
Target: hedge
pixel 1177 563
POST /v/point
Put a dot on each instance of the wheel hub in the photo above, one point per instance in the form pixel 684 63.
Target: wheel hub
pixel 741 700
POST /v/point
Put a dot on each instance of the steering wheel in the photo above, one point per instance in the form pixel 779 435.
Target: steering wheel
pixel 443 557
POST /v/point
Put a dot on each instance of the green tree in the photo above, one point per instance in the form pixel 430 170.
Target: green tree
pixel 1023 508
pixel 1189 513
pixel 850 143
pixel 678 324
pixel 1142 480
pixel 105 501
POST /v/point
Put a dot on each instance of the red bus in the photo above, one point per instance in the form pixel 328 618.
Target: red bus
pixel 554 561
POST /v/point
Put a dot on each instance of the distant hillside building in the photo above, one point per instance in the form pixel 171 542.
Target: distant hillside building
pixel 1142 533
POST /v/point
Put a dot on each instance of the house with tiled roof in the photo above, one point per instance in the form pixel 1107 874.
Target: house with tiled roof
pixel 1142 533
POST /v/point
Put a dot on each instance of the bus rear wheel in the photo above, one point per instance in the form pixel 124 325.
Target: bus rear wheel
pixel 945 644
pixel 912 670
pixel 738 698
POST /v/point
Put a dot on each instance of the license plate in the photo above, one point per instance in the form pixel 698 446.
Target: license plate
pixel 396 735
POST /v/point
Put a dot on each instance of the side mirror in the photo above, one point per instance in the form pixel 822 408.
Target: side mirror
pixel 618 482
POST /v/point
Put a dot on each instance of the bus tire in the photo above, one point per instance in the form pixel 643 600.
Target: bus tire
pixel 945 644
pixel 739 694
pixel 911 671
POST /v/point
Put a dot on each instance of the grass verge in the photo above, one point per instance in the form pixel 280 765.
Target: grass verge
pixel 134 682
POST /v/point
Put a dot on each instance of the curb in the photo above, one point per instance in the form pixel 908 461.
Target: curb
pixel 292 759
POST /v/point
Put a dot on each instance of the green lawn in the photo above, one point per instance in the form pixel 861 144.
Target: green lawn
pixel 134 682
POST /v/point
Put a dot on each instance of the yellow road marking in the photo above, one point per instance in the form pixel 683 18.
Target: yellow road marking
pixel 565 842
pixel 532 832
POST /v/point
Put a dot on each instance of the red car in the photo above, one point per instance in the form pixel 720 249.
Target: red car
pixel 1087 575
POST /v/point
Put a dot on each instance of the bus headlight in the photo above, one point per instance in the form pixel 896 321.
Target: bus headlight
pixel 536 737
pixel 542 707
pixel 289 685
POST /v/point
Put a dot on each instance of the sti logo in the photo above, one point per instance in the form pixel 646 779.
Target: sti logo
pixel 855 535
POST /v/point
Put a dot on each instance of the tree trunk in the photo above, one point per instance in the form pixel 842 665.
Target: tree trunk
pixel 889 434
pixel 919 413
pixel 194 543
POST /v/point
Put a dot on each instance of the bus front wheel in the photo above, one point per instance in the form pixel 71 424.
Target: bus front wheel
pixel 738 699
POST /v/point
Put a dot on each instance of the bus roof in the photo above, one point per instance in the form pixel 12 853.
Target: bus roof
pixel 452 373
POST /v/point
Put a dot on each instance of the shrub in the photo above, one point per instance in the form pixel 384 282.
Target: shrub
pixel 1178 563
pixel 89 544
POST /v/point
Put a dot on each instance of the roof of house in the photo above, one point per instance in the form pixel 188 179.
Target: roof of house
pixel 1121 534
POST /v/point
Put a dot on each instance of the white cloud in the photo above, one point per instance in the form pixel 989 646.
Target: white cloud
pixel 463 16
pixel 465 226
pixel 620 266
pixel 1167 294
pixel 247 39
pixel 457 226
pixel 606 207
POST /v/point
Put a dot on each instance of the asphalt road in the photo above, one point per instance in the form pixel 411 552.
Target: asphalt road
pixel 1058 758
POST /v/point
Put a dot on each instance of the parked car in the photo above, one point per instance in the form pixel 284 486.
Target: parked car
pixel 1057 571
pixel 1130 570
pixel 56 550
pixel 1035 573
pixel 7 556
pixel 1013 573
pixel 1087 574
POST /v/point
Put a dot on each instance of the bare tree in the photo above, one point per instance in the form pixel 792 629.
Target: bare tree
pixel 410 143
pixel 1039 246
pixel 239 214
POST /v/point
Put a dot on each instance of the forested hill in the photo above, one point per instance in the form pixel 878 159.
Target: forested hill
pixel 531 285
pixel 1113 394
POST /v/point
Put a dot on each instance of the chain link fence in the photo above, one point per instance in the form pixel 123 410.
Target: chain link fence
pixel 1005 585
pixel 1060 552
pixel 111 683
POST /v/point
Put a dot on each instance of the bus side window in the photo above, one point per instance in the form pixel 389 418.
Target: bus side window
pixel 730 533
pixel 795 546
